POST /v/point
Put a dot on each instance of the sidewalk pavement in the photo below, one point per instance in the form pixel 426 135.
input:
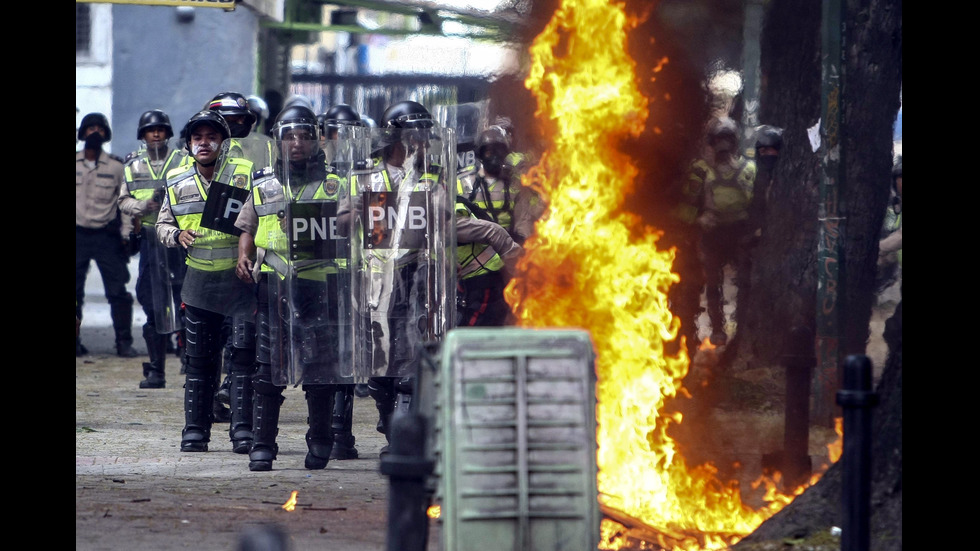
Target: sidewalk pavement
pixel 134 489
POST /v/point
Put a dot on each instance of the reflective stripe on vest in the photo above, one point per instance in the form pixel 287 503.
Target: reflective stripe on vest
pixel 142 181
pixel 212 250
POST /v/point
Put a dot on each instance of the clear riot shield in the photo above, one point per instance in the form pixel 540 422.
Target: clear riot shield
pixel 167 267
pixel 402 247
pixel 468 119
pixel 315 330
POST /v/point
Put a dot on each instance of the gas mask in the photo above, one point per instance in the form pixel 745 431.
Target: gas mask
pixel 94 141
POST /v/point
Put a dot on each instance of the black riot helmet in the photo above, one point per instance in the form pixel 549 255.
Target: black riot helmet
pixel 407 114
pixel 212 118
pixel 769 136
pixel 492 149
pixel 151 118
pixel 259 108
pixel 337 116
pixel 297 118
pixel 93 119
pixel 233 104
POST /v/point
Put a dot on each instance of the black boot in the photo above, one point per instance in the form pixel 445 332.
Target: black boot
pixel 343 420
pixel 154 375
pixel 122 322
pixel 198 395
pixel 222 413
pixel 319 437
pixel 265 428
pixel 382 389
pixel 241 412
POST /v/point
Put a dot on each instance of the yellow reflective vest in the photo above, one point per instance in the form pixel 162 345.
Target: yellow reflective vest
pixel 213 250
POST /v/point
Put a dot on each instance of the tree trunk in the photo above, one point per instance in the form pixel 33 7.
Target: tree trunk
pixel 784 262
pixel 784 270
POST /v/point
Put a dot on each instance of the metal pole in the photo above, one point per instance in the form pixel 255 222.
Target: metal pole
pixel 857 400
pixel 407 470
pixel 831 220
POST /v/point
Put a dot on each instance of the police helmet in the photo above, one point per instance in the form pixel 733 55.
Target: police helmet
pixel 93 119
pixel 492 149
pixel 232 104
pixel 295 117
pixel 151 118
pixel 209 117
pixel 258 107
pixel 407 114
pixel 769 136
pixel 298 99
pixel 339 115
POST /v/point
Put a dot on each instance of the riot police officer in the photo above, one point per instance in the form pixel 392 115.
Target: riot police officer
pixel 333 124
pixel 498 190
pixel 403 275
pixel 161 269
pixel 259 149
pixel 245 142
pixel 720 191
pixel 198 214
pixel 303 314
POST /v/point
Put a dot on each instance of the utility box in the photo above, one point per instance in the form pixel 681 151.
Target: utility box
pixel 513 415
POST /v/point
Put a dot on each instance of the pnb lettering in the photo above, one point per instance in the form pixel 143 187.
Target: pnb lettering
pixel 314 229
pixel 413 218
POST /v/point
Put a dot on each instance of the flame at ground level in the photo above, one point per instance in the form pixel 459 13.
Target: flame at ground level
pixel 291 502
pixel 592 266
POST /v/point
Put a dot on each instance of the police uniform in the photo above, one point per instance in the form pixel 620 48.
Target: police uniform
pixel 99 236
pixel 292 289
pixel 481 275
pixel 211 292
pixel 719 199
pixel 145 182
pixel 391 338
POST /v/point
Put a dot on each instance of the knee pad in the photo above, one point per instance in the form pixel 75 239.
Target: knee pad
pixel 200 340
pixel 264 386
pixel 243 333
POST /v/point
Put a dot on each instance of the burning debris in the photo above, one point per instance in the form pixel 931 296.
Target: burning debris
pixel 585 267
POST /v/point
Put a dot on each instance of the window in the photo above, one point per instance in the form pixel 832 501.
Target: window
pixel 83 30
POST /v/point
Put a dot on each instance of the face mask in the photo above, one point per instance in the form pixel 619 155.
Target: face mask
pixel 94 141
pixel 768 162
pixel 239 130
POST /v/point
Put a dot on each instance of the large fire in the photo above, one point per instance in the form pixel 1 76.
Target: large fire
pixel 593 266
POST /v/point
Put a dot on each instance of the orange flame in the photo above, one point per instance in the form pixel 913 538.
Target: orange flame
pixel 591 265
pixel 836 448
pixel 291 502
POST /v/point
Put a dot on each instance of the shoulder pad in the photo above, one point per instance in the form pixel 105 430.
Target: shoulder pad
pixel 116 157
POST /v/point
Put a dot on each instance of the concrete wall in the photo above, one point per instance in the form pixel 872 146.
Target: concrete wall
pixel 160 62
pixel 93 72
